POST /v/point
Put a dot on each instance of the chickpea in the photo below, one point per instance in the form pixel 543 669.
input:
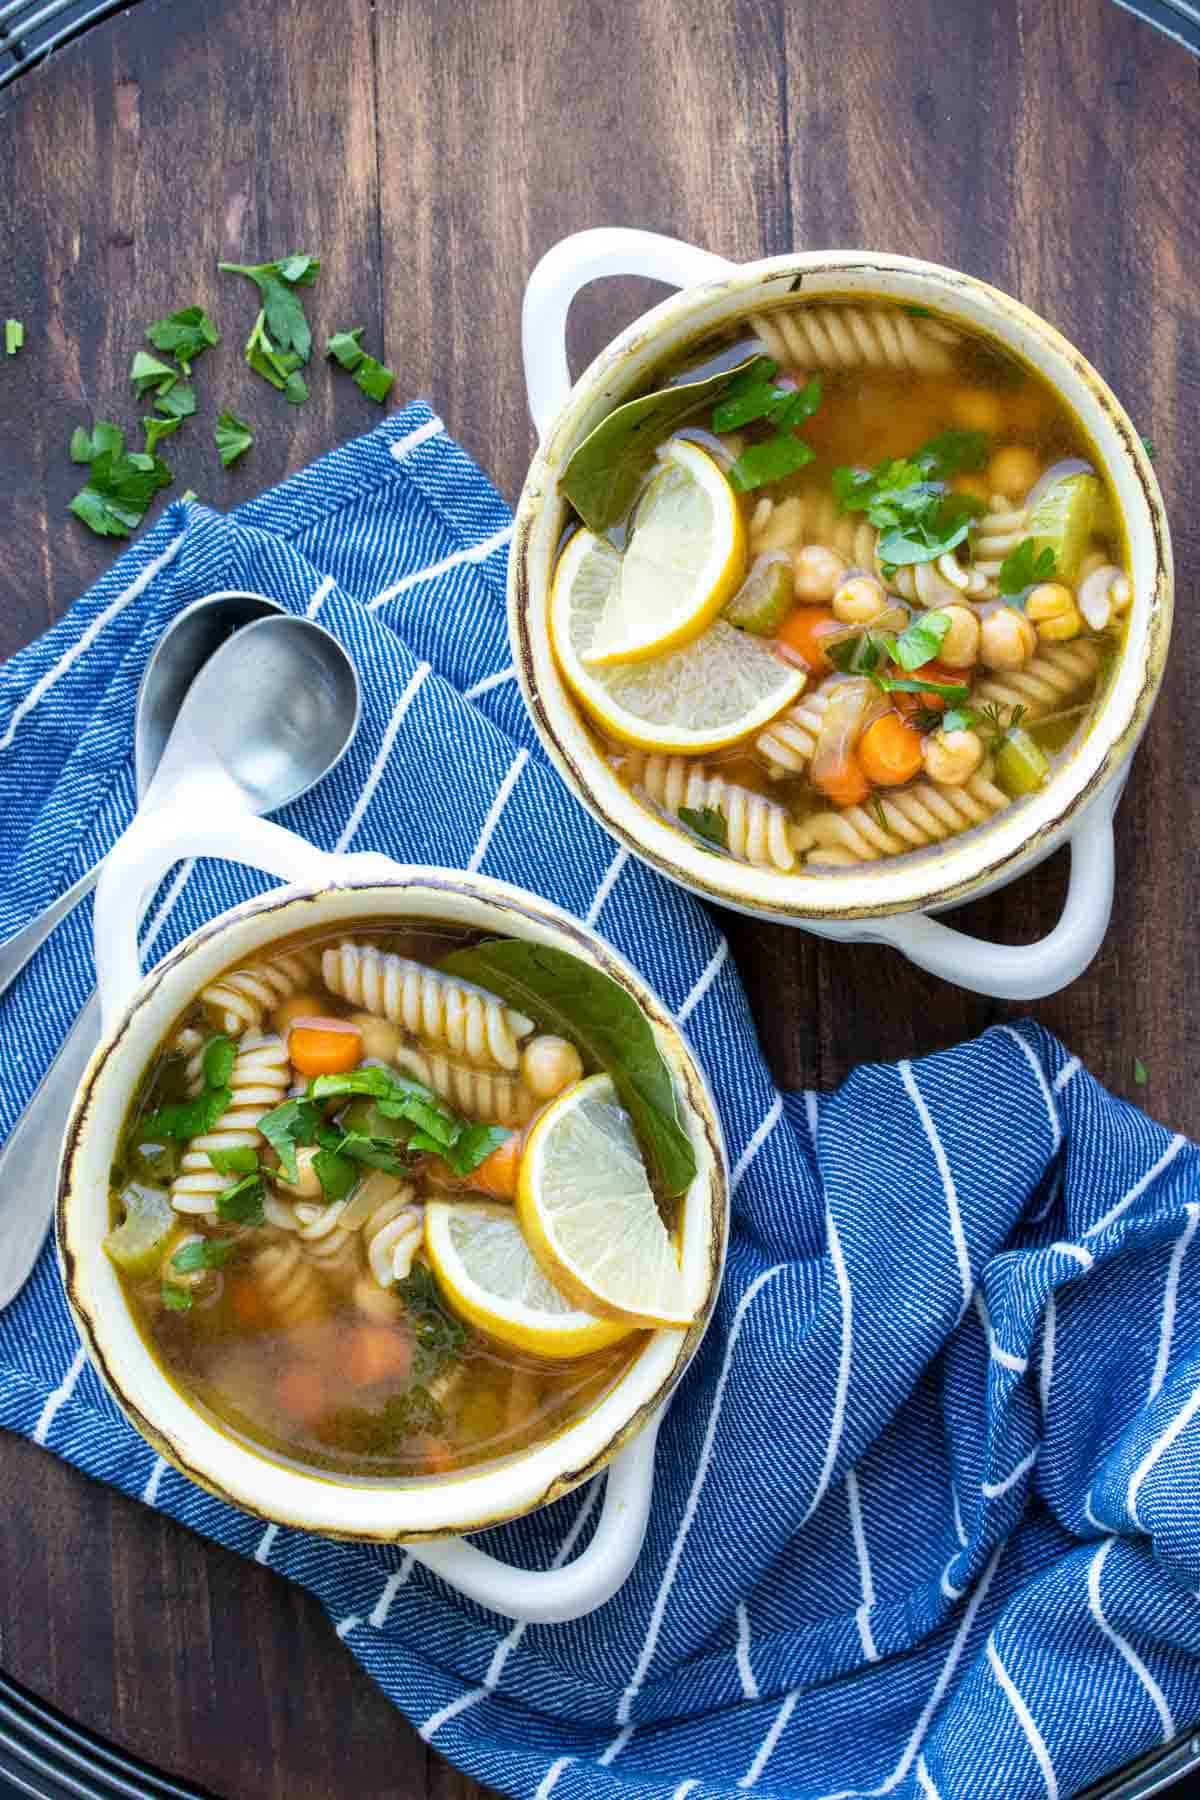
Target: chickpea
pixel 1006 639
pixel 307 1185
pixel 1051 607
pixel 952 757
pixel 859 600
pixel 960 646
pixel 549 1064
pixel 1013 471
pixel 297 1006
pixel 976 409
pixel 380 1038
pixel 818 572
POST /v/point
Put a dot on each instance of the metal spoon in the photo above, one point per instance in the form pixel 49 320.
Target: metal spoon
pixel 184 646
pixel 271 713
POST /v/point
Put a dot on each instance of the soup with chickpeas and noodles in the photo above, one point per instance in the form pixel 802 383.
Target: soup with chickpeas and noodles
pixel 398 1200
pixel 841 583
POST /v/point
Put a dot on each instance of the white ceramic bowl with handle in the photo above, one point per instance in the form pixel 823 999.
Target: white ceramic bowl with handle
pixel 889 901
pixel 138 1012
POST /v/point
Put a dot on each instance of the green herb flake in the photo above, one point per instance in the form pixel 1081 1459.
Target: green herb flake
pixel 1141 1073
pixel 292 1122
pixel 1147 443
pixel 337 1174
pixel 370 376
pixel 474 1145
pixel 279 367
pixel 14 336
pixel 177 401
pixel 203 1253
pixel 707 822
pixel 147 372
pixel 217 1060
pixel 156 429
pixel 284 316
pixel 772 460
pixel 952 691
pixel 877 812
pixel 920 642
pixel 242 1202
pixel 917 312
pixel 187 1118
pixel 242 1159
pixel 184 335
pixel 121 483
pixel 907 501
pixel 439 1337
pixel 957 718
pixel 176 1299
pixel 586 1006
pixel 1024 567
pixel 233 437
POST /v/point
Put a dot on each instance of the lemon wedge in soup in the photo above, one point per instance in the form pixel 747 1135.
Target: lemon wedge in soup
pixel 686 556
pixel 589 1214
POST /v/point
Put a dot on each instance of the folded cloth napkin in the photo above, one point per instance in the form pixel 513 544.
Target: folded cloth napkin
pixel 927 1516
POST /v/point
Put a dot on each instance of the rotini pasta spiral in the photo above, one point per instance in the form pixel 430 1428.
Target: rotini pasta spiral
pixel 812 517
pixel 757 830
pixel 787 745
pixel 290 1285
pixel 453 1015
pixel 491 1096
pixel 320 1232
pixel 1057 673
pixel 997 532
pixel 260 1079
pixel 241 1000
pixel 391 1226
pixel 815 339
pixel 940 583
pixel 918 815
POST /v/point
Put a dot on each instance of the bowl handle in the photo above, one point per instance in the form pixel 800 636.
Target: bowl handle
pixel 1023 971
pixel 205 817
pixel 571 264
pixel 551 1596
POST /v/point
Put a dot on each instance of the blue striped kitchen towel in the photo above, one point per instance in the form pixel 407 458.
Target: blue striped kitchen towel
pixel 927 1519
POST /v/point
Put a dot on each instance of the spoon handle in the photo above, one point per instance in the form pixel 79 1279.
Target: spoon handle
pixel 29 1158
pixel 16 951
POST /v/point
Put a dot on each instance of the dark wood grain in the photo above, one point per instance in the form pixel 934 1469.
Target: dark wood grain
pixel 429 154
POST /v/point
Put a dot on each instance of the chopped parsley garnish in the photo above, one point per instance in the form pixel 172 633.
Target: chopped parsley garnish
pixel 184 335
pixel 877 812
pixel 14 336
pixel 203 1253
pixel 920 642
pixel 907 500
pixel 440 1337
pixel 708 822
pixel 754 395
pixel 121 483
pixel 1141 1073
pixel 176 401
pixel 282 310
pixel 917 312
pixel 242 1159
pixel 242 1202
pixel 863 655
pixel 279 367
pixel 233 437
pixel 156 429
pixel 147 372
pixel 370 376
pixel 176 1299
pixel 1024 567
pixel 1147 443
pixel 217 1060
pixel 957 718
pixel 290 1123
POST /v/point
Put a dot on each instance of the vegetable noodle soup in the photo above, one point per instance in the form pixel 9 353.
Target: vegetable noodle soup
pixel 845 581
pixel 393 1202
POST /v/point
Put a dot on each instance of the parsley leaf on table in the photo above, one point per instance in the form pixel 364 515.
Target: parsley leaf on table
pixel 233 437
pixel 370 375
pixel 280 367
pixel 184 335
pixel 286 324
pixel 121 483
pixel 147 372
pixel 157 428
pixel 176 400
pixel 14 336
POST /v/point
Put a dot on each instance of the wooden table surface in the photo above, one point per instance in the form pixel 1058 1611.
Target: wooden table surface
pixel 429 153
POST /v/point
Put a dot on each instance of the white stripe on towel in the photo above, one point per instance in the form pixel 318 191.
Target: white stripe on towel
pixel 773 1116
pixel 150 1491
pixel 489 682
pixel 609 881
pixel 1170 1294
pixel 704 981
pixel 319 598
pixel 59 1397
pixel 497 807
pixel 842 1386
pixel 1006 1358
pixel 381 755
pixel 406 445
pixel 863 1613
pixel 473 553
pixel 745 1672
pixel 86 639
pixel 1123 1646
pixel 1040 1078
pixel 1139 1187
pixel 909 1079
pixel 1066 1073
pixel 1159 1447
pixel 1025 1719
pixel 549 1780
pixel 266 1544
pixel 992 1490
pixel 507 1645
pixel 762 1755
pixel 378 1615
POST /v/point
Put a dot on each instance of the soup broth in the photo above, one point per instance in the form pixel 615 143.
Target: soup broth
pixel 845 581
pixel 270 1202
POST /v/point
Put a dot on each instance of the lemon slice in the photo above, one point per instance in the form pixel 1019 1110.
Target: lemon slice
pixel 589 1215
pixel 686 556
pixel 484 1268
pixel 722 686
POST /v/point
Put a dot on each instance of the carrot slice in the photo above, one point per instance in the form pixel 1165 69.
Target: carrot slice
pixel 802 632
pixel 248 1304
pixel 376 1353
pixel 495 1175
pixel 300 1391
pixel 324 1046
pixel 844 782
pixel 890 751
